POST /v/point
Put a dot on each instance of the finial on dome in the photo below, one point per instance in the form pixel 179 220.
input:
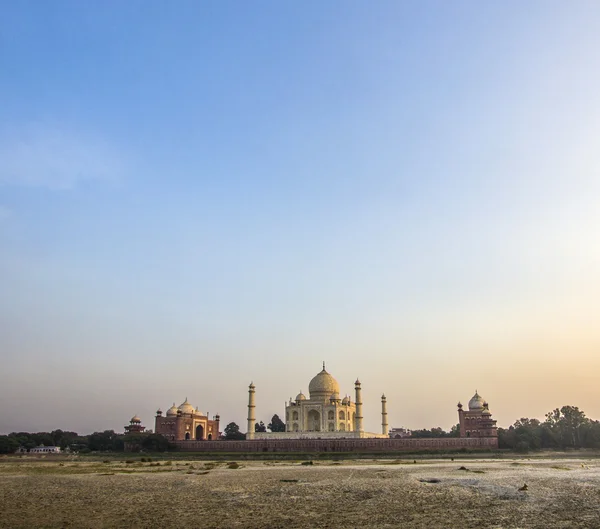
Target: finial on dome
pixel 323 365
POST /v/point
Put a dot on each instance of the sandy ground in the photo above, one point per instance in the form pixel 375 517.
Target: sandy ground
pixel 365 494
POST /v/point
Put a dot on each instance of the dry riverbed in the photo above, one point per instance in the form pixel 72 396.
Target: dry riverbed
pixel 270 494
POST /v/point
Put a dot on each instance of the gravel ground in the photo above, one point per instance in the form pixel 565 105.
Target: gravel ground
pixel 365 494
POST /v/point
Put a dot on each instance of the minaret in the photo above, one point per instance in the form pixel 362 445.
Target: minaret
pixel 384 424
pixel 358 424
pixel 251 418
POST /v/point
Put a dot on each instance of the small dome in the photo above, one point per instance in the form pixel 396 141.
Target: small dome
pixel 323 385
pixel 172 411
pixel 334 396
pixel 136 419
pixel 346 400
pixel 186 407
pixel 476 402
pixel 300 396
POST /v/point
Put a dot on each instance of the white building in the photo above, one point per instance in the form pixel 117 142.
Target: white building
pixel 45 450
pixel 323 415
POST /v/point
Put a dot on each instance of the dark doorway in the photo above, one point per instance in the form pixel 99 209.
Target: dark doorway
pixel 199 432
pixel 187 436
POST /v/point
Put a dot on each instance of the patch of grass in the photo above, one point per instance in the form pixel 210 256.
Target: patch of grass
pixel 307 463
pixel 129 461
pixel 289 480
pixel 560 468
pixel 233 465
pixel 202 473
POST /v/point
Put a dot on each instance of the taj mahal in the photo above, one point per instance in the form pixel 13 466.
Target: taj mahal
pixel 323 415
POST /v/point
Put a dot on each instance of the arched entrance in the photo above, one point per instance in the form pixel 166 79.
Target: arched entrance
pixel 210 437
pixel 314 421
pixel 199 432
pixel 187 436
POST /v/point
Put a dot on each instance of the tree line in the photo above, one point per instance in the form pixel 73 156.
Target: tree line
pixel 563 428
pixel 106 441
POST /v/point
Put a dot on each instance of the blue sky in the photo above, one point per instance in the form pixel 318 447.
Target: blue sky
pixel 198 195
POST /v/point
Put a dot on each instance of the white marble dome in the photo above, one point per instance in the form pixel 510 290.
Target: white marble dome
pixel 476 402
pixel 323 385
pixel 186 407
pixel 172 411
pixel 300 396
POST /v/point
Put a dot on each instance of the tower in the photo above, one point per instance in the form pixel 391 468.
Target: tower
pixel 384 420
pixel 358 425
pixel 251 417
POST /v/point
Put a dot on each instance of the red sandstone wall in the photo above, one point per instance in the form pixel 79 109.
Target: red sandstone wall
pixel 339 445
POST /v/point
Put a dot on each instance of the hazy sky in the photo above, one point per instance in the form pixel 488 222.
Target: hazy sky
pixel 194 195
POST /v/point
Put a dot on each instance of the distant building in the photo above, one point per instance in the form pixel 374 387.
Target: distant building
pixel 323 415
pixel 400 433
pixel 477 421
pixel 184 423
pixel 45 450
pixel 135 425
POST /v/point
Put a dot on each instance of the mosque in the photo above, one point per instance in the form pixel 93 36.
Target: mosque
pixel 323 415
pixel 186 423
pixel 477 421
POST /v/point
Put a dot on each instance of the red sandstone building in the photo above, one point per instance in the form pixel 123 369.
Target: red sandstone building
pixel 477 422
pixel 135 425
pixel 184 423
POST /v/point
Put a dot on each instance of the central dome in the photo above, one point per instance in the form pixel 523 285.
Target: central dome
pixel 476 402
pixel 323 385
pixel 186 407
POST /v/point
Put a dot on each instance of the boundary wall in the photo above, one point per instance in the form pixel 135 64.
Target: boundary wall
pixel 340 445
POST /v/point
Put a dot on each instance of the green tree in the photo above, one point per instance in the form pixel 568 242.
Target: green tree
pixel 567 425
pixel 433 433
pixel 150 442
pixel 105 441
pixel 8 444
pixel 260 427
pixel 276 424
pixel 232 432
pixel 455 431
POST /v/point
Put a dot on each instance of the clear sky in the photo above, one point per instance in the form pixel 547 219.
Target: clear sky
pixel 194 195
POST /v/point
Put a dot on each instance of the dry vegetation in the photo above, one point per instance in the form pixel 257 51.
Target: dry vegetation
pixel 333 494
